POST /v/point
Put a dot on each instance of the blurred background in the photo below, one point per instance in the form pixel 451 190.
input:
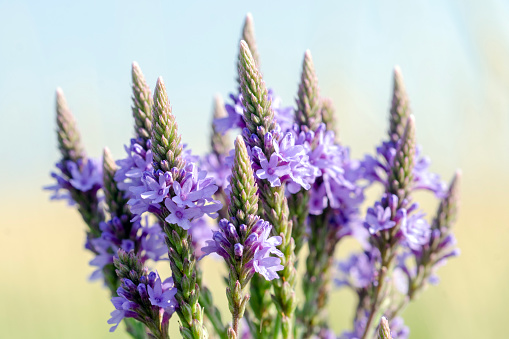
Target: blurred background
pixel 455 60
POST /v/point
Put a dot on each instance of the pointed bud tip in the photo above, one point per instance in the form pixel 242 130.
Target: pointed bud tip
pixel 160 81
pixel 239 140
pixel 307 54
pixel 384 330
pixel 106 152
pixel 135 65
pixel 59 91
pixel 218 99
pixel 411 120
pixel 458 174
pixel 397 70
pixel 249 18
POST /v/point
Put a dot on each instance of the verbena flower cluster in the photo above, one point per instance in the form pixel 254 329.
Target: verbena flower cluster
pixel 285 184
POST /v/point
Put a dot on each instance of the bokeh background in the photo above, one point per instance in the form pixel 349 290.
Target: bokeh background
pixel 455 61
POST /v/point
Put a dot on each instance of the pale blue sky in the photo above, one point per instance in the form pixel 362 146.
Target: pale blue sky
pixel 453 56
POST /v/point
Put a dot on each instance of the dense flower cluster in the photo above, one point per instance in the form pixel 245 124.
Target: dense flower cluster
pixel 235 111
pixel 150 295
pixel 414 230
pixel 84 175
pixel 256 251
pixel 186 199
pixel 131 168
pixel 376 169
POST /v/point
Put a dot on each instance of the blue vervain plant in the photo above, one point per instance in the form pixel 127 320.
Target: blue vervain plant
pixel 287 183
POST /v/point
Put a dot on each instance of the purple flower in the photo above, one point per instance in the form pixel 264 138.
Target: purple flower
pixel 157 190
pixel 218 168
pixel 271 171
pixel 181 216
pixel 284 116
pixel 162 297
pixel 377 169
pixel 138 161
pixel 85 176
pixel 266 265
pixel 133 299
pixel 190 191
pixel 415 228
pixel 122 310
pixel 258 247
pixel 423 179
pixel 235 110
pixel 398 329
pixel 378 218
pixel 235 117
pixel 200 232
pixel 358 271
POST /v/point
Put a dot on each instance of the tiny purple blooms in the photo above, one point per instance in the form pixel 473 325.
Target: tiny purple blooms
pixel 158 189
pixel 235 113
pixel 164 298
pixel 271 171
pixel 259 244
pixel 266 265
pixel 378 218
pixel 87 175
pixel 358 271
pixel 132 299
pixel 122 310
pixel 185 199
pixel 139 160
pixel 84 176
pixel 181 216
pixel 415 228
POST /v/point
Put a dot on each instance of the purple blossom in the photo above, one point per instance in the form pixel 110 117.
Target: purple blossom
pixel 188 198
pixel 259 246
pixel 133 299
pixel 181 216
pixel 271 171
pixel 84 176
pixel 378 218
pixel 162 297
pixel 200 231
pixel 138 161
pixel 218 168
pixel 336 184
pixel 266 265
pixel 415 228
pixel 122 310
pixel 423 179
pixel 157 189
pixel 398 329
pixel 358 271
pixel 235 117
pixel 235 113
pixel 376 169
